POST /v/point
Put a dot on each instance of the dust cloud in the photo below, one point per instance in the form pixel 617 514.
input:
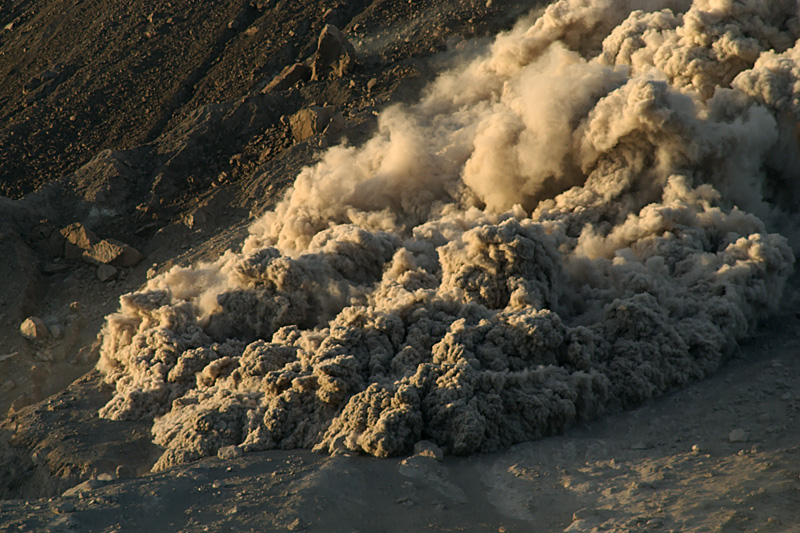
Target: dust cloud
pixel 591 213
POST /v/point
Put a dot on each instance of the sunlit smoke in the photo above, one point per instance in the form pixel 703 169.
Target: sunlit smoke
pixel 572 223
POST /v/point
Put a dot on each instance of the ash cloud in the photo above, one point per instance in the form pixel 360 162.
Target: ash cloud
pixel 582 218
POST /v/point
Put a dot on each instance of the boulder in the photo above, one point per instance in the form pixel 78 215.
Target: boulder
pixel 78 239
pixel 335 56
pixel 310 121
pixel 289 77
pixel 113 252
pixel 34 329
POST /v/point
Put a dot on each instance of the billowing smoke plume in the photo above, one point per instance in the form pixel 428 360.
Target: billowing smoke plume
pixel 569 225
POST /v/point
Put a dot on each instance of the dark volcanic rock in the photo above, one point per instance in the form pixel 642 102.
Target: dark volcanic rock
pixel 111 252
pixel 79 239
pixel 289 77
pixel 310 121
pixel 82 242
pixel 335 56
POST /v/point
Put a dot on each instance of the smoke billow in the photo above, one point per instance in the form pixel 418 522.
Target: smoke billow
pixel 570 224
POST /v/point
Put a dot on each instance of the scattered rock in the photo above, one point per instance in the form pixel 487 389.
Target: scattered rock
pixel 82 242
pixel 428 449
pixel 696 449
pixel 288 78
pixel 310 121
pixel 229 452
pixel 737 435
pixel 335 56
pixel 262 4
pixel 34 329
pixel 106 272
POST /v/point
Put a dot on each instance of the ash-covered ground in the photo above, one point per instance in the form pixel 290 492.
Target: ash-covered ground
pixel 401 230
